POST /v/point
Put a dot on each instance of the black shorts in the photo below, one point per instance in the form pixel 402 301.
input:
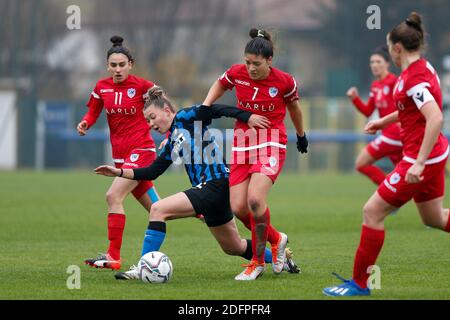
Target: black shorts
pixel 212 200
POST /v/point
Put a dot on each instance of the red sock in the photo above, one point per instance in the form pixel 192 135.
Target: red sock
pixel 374 173
pixel 369 247
pixel 447 228
pixel 116 224
pixel 273 234
pixel 247 221
pixel 259 237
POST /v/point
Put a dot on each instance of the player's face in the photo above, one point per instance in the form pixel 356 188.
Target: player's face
pixel 159 119
pixel 378 65
pixel 119 66
pixel 258 67
pixel 394 51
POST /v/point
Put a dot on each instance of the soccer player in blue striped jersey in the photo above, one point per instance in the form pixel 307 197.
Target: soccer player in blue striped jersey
pixel 190 143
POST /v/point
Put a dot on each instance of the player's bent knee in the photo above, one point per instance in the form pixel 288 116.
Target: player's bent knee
pixel 255 203
pixel 240 210
pixel 372 217
pixel 157 213
pixel 113 198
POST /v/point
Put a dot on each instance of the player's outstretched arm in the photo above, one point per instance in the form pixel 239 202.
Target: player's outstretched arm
pixel 373 126
pixel 253 120
pixel 365 109
pixel 214 93
pixel 110 171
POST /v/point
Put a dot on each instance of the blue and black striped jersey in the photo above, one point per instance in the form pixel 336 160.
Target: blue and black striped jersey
pixel 190 143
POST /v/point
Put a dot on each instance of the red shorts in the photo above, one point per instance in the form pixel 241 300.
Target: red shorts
pixel 139 158
pixel 385 147
pixel 267 161
pixel 396 191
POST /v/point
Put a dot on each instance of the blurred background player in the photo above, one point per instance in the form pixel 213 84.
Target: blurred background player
pixel 121 95
pixel 420 175
pixel 387 144
pixel 206 169
pixel 258 156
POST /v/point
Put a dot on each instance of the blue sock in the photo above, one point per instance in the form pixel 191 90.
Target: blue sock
pixel 268 256
pixel 154 236
pixel 154 197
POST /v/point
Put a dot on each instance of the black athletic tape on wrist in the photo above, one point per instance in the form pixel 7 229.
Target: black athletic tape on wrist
pixel 121 173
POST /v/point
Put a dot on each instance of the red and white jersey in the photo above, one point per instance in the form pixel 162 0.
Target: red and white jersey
pixel 267 97
pixel 416 86
pixel 123 103
pixel 380 98
pixel 381 93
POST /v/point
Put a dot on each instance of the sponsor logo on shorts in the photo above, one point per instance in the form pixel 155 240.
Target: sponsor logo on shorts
pixel 389 186
pixel 265 168
pixel 134 157
pixel 376 143
pixel 273 161
pixel 395 178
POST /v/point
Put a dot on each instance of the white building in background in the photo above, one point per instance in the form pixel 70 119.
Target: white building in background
pixel 8 127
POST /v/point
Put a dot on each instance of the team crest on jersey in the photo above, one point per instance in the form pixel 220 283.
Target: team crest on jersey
pixel 394 179
pixel 273 92
pixel 134 157
pixel 131 93
pixel 386 90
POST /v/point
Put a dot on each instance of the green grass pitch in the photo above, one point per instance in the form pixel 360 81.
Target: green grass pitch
pixel 51 220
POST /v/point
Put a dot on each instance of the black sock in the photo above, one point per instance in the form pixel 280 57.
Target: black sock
pixel 248 253
pixel 157 226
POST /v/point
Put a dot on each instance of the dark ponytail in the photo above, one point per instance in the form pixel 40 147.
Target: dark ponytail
pixel 410 33
pixel 261 43
pixel 118 48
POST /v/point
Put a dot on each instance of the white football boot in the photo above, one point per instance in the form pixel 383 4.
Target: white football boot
pixel 252 271
pixel 279 254
pixel 132 274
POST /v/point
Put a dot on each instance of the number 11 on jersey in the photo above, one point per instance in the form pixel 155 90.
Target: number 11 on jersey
pixel 117 98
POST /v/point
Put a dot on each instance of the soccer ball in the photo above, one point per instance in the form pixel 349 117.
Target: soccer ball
pixel 155 267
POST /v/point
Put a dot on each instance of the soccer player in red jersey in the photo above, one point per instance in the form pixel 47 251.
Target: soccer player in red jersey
pixel 122 97
pixel 258 155
pixel 388 144
pixel 420 175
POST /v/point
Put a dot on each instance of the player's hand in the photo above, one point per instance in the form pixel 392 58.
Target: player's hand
pixel 82 127
pixel 414 173
pixel 162 144
pixel 108 171
pixel 352 93
pixel 257 121
pixel 373 126
pixel 302 143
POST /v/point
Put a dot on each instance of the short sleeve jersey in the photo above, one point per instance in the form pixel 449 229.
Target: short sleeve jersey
pixel 123 103
pixel 381 96
pixel 416 86
pixel 268 97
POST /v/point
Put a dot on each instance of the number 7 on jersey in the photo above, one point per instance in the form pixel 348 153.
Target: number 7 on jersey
pixel 256 92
